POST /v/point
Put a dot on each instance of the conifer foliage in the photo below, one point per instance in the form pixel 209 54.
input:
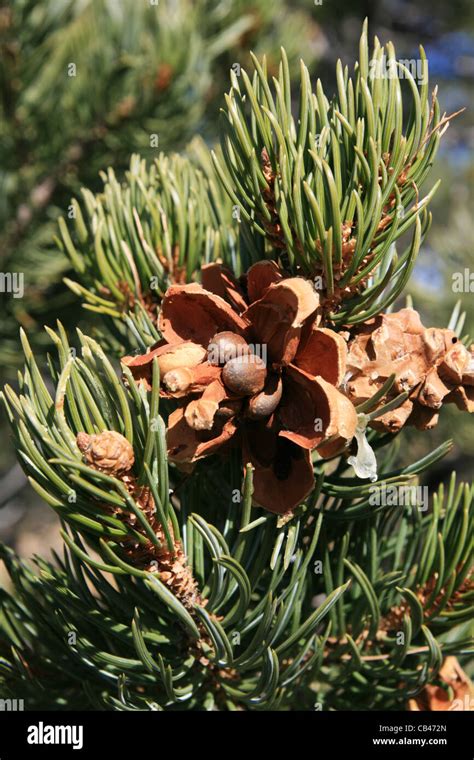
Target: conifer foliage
pixel 223 452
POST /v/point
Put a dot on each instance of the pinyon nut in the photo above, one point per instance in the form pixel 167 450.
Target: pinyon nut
pixel 245 375
pixel 225 346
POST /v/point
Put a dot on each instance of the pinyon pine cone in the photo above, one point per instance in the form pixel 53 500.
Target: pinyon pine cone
pixel 278 407
pixel 108 452
pixel 430 364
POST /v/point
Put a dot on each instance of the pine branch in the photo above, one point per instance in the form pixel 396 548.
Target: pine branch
pixel 116 80
pixel 334 189
pixel 127 525
pixel 172 592
pixel 258 638
pixel 136 239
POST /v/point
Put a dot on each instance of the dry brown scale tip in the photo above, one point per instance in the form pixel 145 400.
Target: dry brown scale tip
pixel 393 620
pixel 425 592
pixel 148 300
pixel 273 228
pixel 176 272
pixel 163 77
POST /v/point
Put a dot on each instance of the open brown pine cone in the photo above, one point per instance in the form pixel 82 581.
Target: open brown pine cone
pixel 250 363
pixel 430 364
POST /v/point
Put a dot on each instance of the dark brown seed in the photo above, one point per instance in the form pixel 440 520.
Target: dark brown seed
pixel 245 375
pixel 263 404
pixel 225 346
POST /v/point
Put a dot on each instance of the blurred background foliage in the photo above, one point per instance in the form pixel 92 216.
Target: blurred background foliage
pixel 85 83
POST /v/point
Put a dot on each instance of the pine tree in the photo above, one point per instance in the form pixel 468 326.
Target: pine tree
pixel 238 530
pixel 84 86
